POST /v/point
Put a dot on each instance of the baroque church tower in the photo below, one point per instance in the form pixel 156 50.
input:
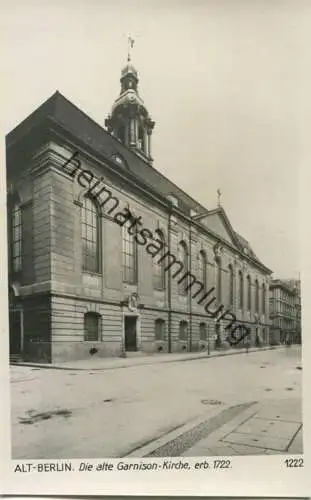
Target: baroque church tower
pixel 129 120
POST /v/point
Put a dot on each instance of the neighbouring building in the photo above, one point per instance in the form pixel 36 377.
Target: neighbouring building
pixel 81 280
pixel 285 311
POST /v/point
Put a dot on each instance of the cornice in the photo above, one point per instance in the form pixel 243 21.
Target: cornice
pixel 46 156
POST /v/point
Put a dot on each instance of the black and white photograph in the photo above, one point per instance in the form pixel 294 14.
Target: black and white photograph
pixel 152 200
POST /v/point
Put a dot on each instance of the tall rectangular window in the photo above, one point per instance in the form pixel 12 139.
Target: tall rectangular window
pixel 159 264
pixel 183 258
pixel 202 268
pixel 249 293
pixel 90 236
pixel 218 281
pixel 256 296
pixel 129 254
pixel 231 285
pixel 16 243
pixel 263 298
pixel 241 290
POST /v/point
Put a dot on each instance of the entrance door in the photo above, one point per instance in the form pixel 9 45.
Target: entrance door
pixel 15 332
pixel 130 333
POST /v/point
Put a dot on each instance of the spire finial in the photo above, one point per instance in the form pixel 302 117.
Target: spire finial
pixel 219 193
pixel 131 42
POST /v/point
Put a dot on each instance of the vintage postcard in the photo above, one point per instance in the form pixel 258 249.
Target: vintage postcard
pixel 155 287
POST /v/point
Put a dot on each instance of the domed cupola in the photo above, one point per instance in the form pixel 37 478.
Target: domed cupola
pixel 129 120
pixel 129 78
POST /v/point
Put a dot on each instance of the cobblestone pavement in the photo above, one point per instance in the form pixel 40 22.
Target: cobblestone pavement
pixel 115 413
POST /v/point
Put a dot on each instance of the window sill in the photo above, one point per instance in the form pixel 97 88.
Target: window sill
pixel 89 273
pixel 91 341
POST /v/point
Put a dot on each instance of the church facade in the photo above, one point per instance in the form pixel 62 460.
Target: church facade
pixel 108 256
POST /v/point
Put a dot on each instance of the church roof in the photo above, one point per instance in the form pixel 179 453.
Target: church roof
pixel 70 118
pixel 84 128
pixel 245 244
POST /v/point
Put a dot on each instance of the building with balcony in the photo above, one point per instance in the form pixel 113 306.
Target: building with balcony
pixel 106 254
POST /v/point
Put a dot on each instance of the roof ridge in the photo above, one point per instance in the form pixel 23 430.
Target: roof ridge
pixel 50 102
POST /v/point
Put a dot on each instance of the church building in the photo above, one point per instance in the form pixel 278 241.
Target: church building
pixel 107 256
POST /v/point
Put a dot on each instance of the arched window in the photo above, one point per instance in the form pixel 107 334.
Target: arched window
pixel 231 285
pixel 90 236
pixel 241 290
pixel 202 269
pixel 129 253
pixel 256 296
pixel 218 281
pixel 263 298
pixel 92 327
pixel 159 329
pixel 183 330
pixel 203 331
pixel 183 258
pixel 16 238
pixel 249 293
pixel 159 264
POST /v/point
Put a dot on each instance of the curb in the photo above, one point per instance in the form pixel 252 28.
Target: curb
pixel 204 424
pixel 192 358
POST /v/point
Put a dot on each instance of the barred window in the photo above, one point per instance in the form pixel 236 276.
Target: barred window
pixel 159 329
pixel 183 330
pixel 202 268
pixel 183 258
pixel 90 236
pixel 129 253
pixel 16 243
pixel 203 331
pixel 256 296
pixel 159 267
pixel 264 298
pixel 231 285
pixel 241 290
pixel 249 293
pixel 92 330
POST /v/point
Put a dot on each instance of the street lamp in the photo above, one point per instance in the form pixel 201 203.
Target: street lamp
pixel 208 340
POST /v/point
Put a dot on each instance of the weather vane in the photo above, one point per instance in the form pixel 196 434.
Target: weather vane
pixel 219 193
pixel 131 42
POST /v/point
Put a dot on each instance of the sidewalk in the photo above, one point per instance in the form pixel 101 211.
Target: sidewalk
pixel 137 359
pixel 264 428
pixel 252 428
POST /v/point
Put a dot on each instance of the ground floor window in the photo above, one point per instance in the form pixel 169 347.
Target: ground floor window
pixel 92 330
pixel 203 331
pixel 183 330
pixel 159 327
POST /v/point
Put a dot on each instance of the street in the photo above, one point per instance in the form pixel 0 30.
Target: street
pixel 177 408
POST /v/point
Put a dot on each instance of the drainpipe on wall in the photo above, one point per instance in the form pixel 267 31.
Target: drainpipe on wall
pixel 169 285
pixel 189 291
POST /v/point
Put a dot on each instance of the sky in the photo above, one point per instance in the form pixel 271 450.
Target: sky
pixel 223 80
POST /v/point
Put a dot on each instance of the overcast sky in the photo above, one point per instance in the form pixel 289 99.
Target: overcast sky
pixel 222 80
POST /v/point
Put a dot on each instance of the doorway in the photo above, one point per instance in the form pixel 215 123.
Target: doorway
pixel 130 333
pixel 15 327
